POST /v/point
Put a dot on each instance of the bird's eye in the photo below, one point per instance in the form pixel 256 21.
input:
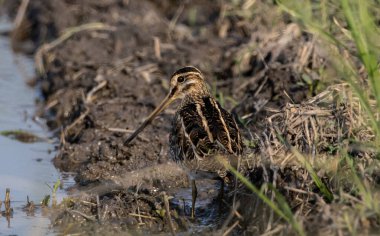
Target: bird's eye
pixel 180 79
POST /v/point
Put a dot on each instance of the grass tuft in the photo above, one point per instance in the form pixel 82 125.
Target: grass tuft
pixel 282 208
pixel 359 29
pixel 302 159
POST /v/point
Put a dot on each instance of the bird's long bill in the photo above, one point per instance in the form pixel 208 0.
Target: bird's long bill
pixel 166 102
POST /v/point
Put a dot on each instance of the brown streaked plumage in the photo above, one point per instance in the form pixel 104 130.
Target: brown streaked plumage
pixel 201 131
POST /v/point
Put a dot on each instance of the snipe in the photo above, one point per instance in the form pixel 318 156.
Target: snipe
pixel 201 131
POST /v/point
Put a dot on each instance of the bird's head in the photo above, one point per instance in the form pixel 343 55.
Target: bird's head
pixel 187 81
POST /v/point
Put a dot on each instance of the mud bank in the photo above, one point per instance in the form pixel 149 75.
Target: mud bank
pixel 105 65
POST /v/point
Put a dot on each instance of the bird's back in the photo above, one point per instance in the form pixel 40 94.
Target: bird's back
pixel 202 130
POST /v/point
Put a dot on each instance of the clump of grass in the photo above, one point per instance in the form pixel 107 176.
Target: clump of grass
pixel 350 38
pixel 336 134
pixel 302 159
pixel 338 128
pixel 282 208
pixel 365 192
pixel 45 201
pixel 315 136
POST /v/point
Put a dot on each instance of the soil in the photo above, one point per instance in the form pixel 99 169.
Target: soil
pixel 100 84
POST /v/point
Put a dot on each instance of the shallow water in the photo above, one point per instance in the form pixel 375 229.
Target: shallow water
pixel 25 168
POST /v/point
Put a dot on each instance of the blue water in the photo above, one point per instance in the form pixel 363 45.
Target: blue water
pixel 24 168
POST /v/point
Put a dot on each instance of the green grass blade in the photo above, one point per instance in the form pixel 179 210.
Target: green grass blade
pixel 287 211
pixel 56 186
pixel 311 26
pixel 321 186
pixel 283 211
pixel 364 192
pixel 358 24
pixel 351 76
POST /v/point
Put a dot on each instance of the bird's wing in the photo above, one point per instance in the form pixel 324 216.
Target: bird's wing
pixel 200 131
pixel 222 126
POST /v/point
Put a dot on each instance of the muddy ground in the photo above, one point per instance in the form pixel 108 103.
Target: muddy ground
pixel 99 84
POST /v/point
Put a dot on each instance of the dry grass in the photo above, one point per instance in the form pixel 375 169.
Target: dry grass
pixel 322 154
pixel 323 125
pixel 333 182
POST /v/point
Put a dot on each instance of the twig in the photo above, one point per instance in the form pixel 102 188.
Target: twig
pixel 231 215
pixel 120 130
pixel 288 96
pixel 169 218
pixel 237 214
pixel 230 228
pixel 62 137
pixel 143 216
pixel 89 96
pixel 51 104
pixel 247 4
pixel 88 203
pixel 273 231
pixel 20 14
pixel 79 119
pixel 157 48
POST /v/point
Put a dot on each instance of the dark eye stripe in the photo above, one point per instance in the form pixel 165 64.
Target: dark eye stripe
pixel 174 90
